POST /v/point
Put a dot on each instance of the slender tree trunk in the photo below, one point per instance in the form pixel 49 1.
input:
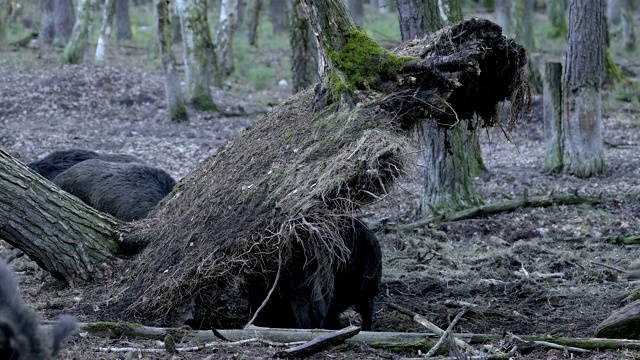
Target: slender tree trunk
pixel 5 8
pixel 628 32
pixel 176 106
pixel 304 63
pixel 39 218
pixel 450 11
pixel 582 129
pixel 105 30
pixel 224 38
pixel 199 54
pixel 176 27
pixel 557 12
pixel 552 113
pixel 356 9
pixel 254 10
pixel 523 15
pixel 504 16
pixel 278 15
pixel 123 22
pixel 75 49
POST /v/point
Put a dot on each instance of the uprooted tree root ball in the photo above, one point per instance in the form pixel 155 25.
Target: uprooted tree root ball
pixel 277 198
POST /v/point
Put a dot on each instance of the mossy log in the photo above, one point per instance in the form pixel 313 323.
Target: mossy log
pixel 285 189
pixel 623 323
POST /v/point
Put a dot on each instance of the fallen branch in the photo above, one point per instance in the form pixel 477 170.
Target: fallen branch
pixel 429 325
pixel 447 333
pixel 508 205
pixel 320 343
pixel 376 339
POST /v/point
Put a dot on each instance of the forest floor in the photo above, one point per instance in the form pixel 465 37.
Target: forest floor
pixel 498 262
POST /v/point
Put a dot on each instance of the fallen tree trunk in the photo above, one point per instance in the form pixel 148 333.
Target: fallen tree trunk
pixel 74 242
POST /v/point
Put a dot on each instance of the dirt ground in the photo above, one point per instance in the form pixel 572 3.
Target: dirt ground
pixel 533 271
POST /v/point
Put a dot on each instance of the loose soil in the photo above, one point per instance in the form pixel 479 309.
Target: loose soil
pixel 497 262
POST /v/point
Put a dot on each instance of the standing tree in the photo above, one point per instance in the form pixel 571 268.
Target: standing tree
pixel 123 22
pixel 356 8
pixel 254 10
pixel 200 62
pixel 74 51
pixel 304 63
pixel 451 154
pixel 278 15
pixel 176 107
pixel 582 129
pixel 283 193
pixel 56 21
pixel 105 30
pixel 224 37
pixel 628 32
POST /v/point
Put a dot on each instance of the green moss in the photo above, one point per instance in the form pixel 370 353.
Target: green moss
pixel 362 61
pixel 204 103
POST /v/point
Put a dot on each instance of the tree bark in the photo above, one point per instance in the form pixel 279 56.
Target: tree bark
pixel 75 243
pixel 64 19
pixel 200 62
pixel 74 51
pixel 582 127
pixel 278 16
pixel 224 38
pixel 418 18
pixel 123 22
pixel 176 105
pixel 47 28
pixel 552 116
pixel 304 63
pixel 105 30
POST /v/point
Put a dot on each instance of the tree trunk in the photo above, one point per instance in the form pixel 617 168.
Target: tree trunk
pixel 356 9
pixel 64 19
pixel 418 18
pixel 304 63
pixel 176 107
pixel 614 11
pixel 504 16
pixel 582 128
pixel 123 22
pixel 254 9
pixel 200 62
pixel 174 20
pixel 448 168
pixel 74 51
pixel 523 15
pixel 47 28
pixel 278 16
pixel 628 32
pixel 75 243
pixel 224 38
pixel 557 12
pixel 552 116
pixel 105 30
pixel 451 11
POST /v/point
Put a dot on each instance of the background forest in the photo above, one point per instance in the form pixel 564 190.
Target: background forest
pixel 527 266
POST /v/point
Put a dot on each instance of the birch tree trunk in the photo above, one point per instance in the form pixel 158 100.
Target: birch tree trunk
pixel 176 106
pixel 75 49
pixel 80 243
pixel 304 63
pixel 582 128
pixel 224 38
pixel 200 61
pixel 105 30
